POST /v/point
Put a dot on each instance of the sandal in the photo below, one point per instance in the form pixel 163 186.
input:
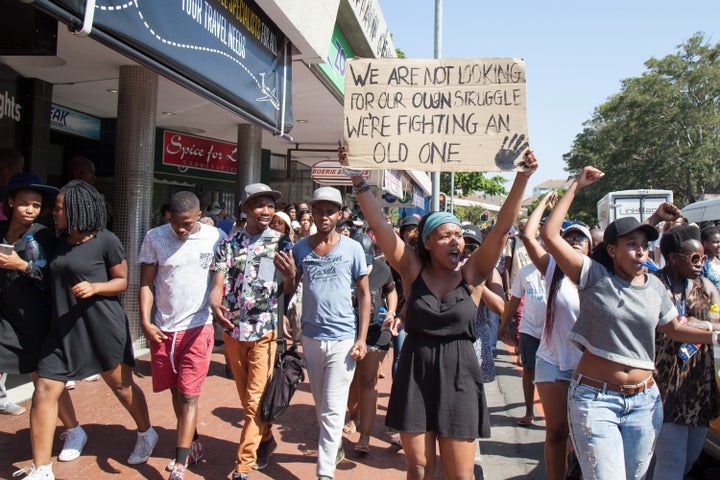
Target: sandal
pixel 350 426
pixel 526 421
pixel 362 448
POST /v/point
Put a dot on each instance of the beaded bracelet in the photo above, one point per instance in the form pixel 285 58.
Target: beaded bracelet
pixel 361 187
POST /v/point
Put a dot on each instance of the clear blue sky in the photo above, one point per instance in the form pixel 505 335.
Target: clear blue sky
pixel 577 52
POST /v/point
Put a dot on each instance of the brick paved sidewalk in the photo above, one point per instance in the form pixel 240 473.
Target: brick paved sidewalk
pixel 111 435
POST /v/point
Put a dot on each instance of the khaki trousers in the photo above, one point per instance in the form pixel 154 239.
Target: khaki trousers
pixel 252 366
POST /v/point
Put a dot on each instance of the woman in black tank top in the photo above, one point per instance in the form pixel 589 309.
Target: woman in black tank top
pixel 437 394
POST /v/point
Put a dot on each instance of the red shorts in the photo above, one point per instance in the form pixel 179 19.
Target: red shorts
pixel 182 360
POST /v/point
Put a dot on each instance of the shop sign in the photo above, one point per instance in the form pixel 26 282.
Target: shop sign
pixel 369 16
pixel 330 172
pixel 418 197
pixel 69 121
pixel 386 199
pixel 9 107
pixel 393 182
pixel 228 48
pixel 189 151
pixel 334 66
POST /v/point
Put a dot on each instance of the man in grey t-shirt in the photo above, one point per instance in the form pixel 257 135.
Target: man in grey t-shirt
pixel 331 265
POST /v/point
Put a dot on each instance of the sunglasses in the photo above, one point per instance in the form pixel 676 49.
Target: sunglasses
pixel 344 228
pixel 471 247
pixel 694 258
pixel 576 238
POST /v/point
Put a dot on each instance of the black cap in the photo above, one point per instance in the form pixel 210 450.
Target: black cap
pixel 408 221
pixel 626 225
pixel 473 233
pixel 367 245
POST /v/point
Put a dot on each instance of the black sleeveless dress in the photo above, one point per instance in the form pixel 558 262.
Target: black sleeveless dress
pixel 438 384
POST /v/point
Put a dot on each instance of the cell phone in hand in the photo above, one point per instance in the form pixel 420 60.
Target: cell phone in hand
pixel 6 249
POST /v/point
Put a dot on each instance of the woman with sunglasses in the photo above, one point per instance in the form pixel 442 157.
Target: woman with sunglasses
pixel 687 385
pixel 344 227
pixel 614 405
pixel 437 395
pixel 556 358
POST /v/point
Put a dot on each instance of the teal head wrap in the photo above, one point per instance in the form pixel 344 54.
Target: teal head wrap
pixel 435 220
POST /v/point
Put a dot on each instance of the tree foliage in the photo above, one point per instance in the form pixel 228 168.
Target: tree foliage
pixel 660 131
pixel 470 182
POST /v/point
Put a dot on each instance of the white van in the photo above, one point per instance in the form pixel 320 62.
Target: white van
pixel 630 203
pixel 701 212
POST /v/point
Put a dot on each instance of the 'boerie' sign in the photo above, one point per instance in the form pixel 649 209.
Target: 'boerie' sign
pixel 188 151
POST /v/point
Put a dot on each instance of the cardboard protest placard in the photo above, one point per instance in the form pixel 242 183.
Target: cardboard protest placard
pixel 435 115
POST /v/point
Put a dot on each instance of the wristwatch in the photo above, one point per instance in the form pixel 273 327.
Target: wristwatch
pixel 28 269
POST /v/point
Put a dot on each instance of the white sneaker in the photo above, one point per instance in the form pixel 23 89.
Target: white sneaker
pixel 143 447
pixel 31 473
pixel 75 439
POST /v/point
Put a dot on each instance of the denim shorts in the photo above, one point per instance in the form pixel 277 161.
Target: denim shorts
pixel 528 347
pixel 546 372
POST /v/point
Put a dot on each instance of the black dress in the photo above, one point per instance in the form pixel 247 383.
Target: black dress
pixel 24 306
pixel 438 384
pixel 91 335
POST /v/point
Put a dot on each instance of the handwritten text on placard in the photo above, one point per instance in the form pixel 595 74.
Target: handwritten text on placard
pixel 435 115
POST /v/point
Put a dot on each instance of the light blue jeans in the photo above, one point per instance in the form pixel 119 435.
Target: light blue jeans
pixel 330 368
pixel 678 447
pixel 604 423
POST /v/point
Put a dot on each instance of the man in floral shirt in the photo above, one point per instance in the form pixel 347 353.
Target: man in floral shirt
pixel 244 300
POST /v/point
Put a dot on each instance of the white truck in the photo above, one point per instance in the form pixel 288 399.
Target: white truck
pixel 630 203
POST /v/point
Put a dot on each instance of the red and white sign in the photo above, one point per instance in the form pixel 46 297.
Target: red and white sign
pixel 188 151
pixel 330 172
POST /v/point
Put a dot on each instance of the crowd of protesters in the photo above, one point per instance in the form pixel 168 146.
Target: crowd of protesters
pixel 600 323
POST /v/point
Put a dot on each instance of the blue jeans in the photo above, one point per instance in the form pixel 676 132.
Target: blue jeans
pixel 603 423
pixel 494 321
pixel 678 447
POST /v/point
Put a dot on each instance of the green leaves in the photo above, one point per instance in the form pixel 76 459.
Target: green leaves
pixel 660 131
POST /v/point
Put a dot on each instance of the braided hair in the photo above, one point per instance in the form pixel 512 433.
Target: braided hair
pixel 555 283
pixel 84 207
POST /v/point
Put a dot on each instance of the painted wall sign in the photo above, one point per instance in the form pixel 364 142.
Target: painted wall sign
pixel 435 115
pixel 69 121
pixel 189 151
pixel 330 172
pixel 229 47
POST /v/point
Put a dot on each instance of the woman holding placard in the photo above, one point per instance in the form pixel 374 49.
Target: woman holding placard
pixel 437 395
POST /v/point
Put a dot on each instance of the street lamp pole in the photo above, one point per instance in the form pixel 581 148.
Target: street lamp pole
pixel 435 176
